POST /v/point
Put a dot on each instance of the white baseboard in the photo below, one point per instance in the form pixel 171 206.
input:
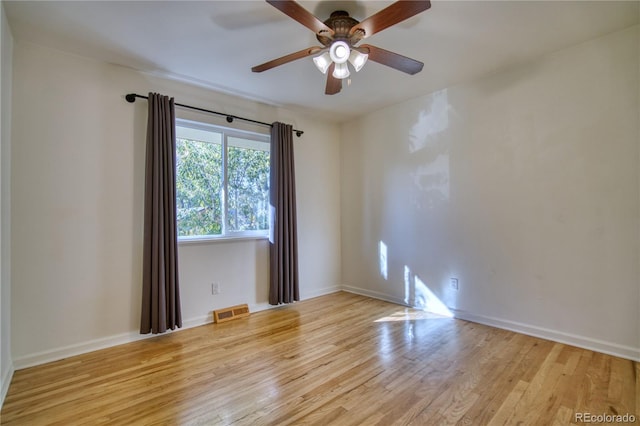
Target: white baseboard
pixel 374 295
pixel 320 292
pixel 195 322
pixel 6 381
pixel 56 354
pixel 602 346
pixel 596 345
pixel 257 307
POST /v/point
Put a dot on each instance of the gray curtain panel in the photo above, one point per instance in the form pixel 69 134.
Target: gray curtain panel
pixel 283 286
pixel 160 289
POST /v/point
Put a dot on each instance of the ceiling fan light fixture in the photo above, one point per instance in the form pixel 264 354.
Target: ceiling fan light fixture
pixel 339 52
pixel 358 59
pixel 322 62
pixel 340 33
pixel 341 71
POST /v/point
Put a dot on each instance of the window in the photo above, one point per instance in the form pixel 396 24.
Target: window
pixel 222 182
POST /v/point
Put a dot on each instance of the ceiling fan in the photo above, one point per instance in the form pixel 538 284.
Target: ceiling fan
pixel 340 35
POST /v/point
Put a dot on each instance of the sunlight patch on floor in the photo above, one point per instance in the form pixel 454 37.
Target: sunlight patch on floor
pixel 411 315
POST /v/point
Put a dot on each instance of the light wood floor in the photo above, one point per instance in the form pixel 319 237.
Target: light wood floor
pixel 340 359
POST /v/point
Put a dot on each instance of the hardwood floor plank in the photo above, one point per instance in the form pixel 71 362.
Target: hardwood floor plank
pixel 495 389
pixel 508 407
pixel 563 416
pixel 338 359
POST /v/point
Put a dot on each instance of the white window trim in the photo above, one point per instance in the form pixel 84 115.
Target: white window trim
pixel 206 239
pixel 226 234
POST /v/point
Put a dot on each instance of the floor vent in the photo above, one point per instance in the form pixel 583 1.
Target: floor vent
pixel 228 314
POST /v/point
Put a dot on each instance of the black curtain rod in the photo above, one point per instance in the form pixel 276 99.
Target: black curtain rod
pixel 131 98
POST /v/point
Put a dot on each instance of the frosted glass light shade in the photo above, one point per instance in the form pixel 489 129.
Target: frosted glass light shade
pixel 339 52
pixel 358 59
pixel 341 71
pixel 323 62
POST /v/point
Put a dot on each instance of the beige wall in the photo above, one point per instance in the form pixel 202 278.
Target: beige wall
pixel 77 209
pixel 523 184
pixel 6 50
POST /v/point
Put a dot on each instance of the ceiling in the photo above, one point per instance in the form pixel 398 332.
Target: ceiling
pixel 215 44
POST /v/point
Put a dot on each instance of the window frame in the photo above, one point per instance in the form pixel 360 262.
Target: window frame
pixel 226 133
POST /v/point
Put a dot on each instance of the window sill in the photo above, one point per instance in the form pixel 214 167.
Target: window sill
pixel 214 240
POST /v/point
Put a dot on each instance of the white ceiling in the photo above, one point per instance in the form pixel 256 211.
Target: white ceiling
pixel 216 43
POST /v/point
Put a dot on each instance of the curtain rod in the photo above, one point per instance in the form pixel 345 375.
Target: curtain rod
pixel 131 98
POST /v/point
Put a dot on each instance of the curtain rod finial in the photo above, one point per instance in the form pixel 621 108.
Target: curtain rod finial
pixel 299 133
pixel 131 97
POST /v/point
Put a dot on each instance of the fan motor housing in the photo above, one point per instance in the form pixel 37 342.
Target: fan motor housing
pixel 341 23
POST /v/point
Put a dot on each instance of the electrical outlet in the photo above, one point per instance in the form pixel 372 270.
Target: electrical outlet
pixel 215 288
pixel 454 283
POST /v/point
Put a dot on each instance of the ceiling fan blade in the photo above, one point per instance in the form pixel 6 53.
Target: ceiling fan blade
pixel 300 14
pixel 396 13
pixel 285 59
pixel 393 60
pixel 334 85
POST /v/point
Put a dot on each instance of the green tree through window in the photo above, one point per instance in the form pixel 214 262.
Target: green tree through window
pixel 205 156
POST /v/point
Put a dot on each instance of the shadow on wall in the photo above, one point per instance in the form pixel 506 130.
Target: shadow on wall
pixel 429 149
pixel 416 183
